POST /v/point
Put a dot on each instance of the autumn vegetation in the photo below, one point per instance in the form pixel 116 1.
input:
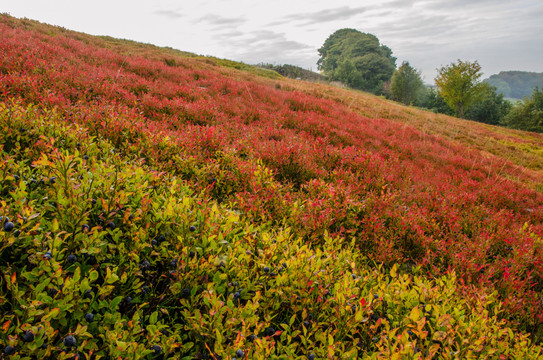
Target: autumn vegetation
pixel 161 205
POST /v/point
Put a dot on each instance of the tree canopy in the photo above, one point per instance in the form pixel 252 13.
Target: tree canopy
pixel 356 59
pixel 406 84
pixel 459 85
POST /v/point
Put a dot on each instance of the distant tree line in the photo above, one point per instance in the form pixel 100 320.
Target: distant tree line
pixel 294 72
pixel 361 62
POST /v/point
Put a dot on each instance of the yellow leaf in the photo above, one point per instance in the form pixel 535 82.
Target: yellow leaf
pixel 393 271
pixel 415 314
pixel 330 352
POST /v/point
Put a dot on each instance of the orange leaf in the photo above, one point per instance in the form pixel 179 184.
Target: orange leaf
pixel 13 278
pixel 238 338
pixel 5 327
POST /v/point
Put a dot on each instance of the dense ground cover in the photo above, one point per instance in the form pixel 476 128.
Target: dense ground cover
pixel 189 205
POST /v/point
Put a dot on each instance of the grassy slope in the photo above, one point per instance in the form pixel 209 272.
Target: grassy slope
pixel 318 184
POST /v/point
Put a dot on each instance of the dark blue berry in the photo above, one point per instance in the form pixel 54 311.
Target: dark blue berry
pixel 28 337
pixel 89 317
pixel 157 349
pixel 9 350
pixel 240 353
pixel 192 228
pixel 8 226
pixel 69 341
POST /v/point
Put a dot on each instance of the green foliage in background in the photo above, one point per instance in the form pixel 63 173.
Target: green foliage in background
pixel 406 84
pixel 527 115
pixel 492 109
pixel 431 100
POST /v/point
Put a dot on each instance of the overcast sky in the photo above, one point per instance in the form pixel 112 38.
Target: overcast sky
pixel 500 34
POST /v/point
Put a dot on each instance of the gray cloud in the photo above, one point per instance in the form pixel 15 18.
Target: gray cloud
pixel 322 16
pixel 172 14
pixel 269 46
pixel 220 21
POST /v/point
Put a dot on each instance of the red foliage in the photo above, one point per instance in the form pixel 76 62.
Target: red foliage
pixel 402 195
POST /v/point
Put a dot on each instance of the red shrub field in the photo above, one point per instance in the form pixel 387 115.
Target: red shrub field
pixel 161 205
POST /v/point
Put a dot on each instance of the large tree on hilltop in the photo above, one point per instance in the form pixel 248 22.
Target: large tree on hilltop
pixel 357 59
pixel 460 86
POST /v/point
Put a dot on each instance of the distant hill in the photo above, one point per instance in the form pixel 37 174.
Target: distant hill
pixel 516 84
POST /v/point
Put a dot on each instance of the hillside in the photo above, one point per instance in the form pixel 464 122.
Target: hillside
pixel 157 204
pixel 516 84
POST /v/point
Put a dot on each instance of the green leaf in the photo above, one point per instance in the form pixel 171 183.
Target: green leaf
pixel 115 302
pixel 52 314
pixel 93 276
pixel 77 275
pixel 153 318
